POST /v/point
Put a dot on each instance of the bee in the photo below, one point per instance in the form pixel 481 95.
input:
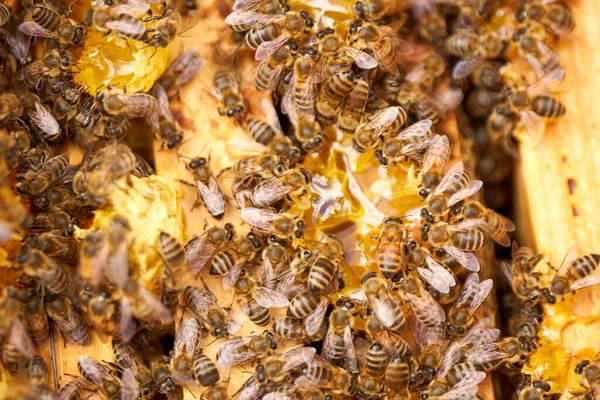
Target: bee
pixel 116 102
pixel 290 183
pixel 308 134
pixel 35 182
pixel 35 316
pixel 338 346
pixel 377 9
pixel 473 49
pixel 59 247
pixel 539 56
pixel 10 306
pixel 37 371
pixel 454 380
pixel 225 89
pixel 426 309
pixel 68 320
pixel 409 143
pixel 496 226
pixel 535 103
pixel 10 106
pixel 262 132
pixel 473 293
pixel 490 356
pixel 270 69
pixel 98 375
pixel 388 120
pixel 227 48
pixel 121 19
pixel 434 161
pixel 207 188
pixel 187 340
pixel 383 42
pixel 386 309
pixel 340 55
pixel 488 77
pixel 128 358
pixel 530 389
pixel 291 328
pixel 230 261
pixel 300 101
pixel 19 348
pixel 161 374
pixel 53 276
pixel 574 273
pixel 166 29
pixel 282 225
pixel 325 264
pixel 65 33
pixel 310 307
pixel 176 268
pixel 263 296
pixel 397 375
pixel 71 390
pixel 203 303
pixel 164 124
pixel 205 370
pixel 555 16
pixel 65 106
pixel 182 70
pixel 354 105
pixel 240 351
pixel 588 370
pixel 52 65
pixel 433 26
pixel 320 373
pixel 200 250
pixel 101 309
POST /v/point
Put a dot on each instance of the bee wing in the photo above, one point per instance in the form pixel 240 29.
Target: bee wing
pixel 421 8
pixel 328 348
pixel 590 280
pixel 315 319
pixel 362 59
pixel 237 316
pixel 159 311
pixel 269 298
pixel 135 8
pixel 418 129
pixel 245 4
pixel 467 387
pixel 464 68
pixel 449 359
pixel 95 372
pixel 20 339
pixel 273 79
pixel 426 307
pixel 252 390
pixel 437 154
pixel 266 49
pixel 296 357
pixel 18 43
pixel 251 17
pixel 416 146
pixel 287 102
pixel 437 276
pixel 485 353
pixel 447 101
pixel 534 124
pixel 380 122
pixel 130 389
pixel 230 277
pixel 32 28
pixel 122 26
pixel 128 324
pixel 475 337
pixel 506 269
pixel 350 361
pixel 401 46
pixel 44 120
pixel 545 53
pixel 467 260
pixel 260 219
pixel 212 196
pixel 163 101
pixel 455 171
pixel 383 309
pixel 544 85
pixel 462 194
pixel 198 252
pixel 568 260
pixel 230 355
pixel 269 191
pixel 484 288
pixel 186 337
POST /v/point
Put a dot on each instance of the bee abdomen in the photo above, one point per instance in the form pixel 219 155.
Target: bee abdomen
pixel 376 360
pixel 320 275
pixel 223 262
pixel 259 315
pixel 585 265
pixel 389 261
pixel 470 240
pixel 256 36
pixel 303 304
pixel 260 131
pixel 205 370
pixel 548 107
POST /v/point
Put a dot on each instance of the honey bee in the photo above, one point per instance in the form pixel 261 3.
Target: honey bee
pixel 490 356
pixel 203 303
pixel 225 89
pixel 574 273
pixel 553 15
pixel 121 19
pixel 35 316
pixel 66 34
pixel 187 340
pixel 101 309
pixel 127 358
pixel 59 247
pixel 539 56
pixel 10 305
pixel 10 106
pixel 473 293
pixel 373 10
pixel 200 250
pixel 282 225
pixel 226 48
pixel 387 121
pixel 53 276
pixel 230 261
pixel 115 102
pixel 181 71
pixel 473 49
pixel 290 183
pixel 161 374
pixel 311 307
pixel 433 26
pixel 409 143
pixel 270 69
pixel 338 346
pixel 384 44
pixel 454 381
pixel 35 182
pixel 325 265
pixel 354 104
pixel 397 375
pixel 496 226
pixel 533 389
pixel 68 320
pixel 207 188
pixel 262 132
pixel 98 375
pixel 299 102
pixel 386 309
pixel 291 328
pixel 588 370
pixel 263 296
pixel 71 390
pixel 164 124
pixel 167 28
pixel 240 351
pixel 331 95
pixel 336 52
pixel 434 161
pixel 320 373
pixel 19 348
pixel 425 308
pixel 205 371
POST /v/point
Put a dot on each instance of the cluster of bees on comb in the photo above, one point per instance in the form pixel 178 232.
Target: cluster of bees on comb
pixel 376 88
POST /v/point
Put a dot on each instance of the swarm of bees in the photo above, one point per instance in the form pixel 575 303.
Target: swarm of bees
pixel 317 337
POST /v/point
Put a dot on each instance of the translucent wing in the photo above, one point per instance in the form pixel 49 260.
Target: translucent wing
pixel 32 28
pixel 362 59
pixel 350 361
pixel 464 193
pixel 296 357
pixel 454 173
pixel 543 85
pixel 20 339
pixel 44 119
pixel 251 17
pixel 231 353
pixel 506 269
pixel 231 277
pixel 467 387
pixel 437 154
pixel 128 324
pixel 199 251
pixel 252 390
pixel 447 101
pixel 450 358
pixel 135 8
pixel 273 79
pixel 437 276
pixel 269 298
pixel 485 288
pixel 480 334
pixel 467 260
pixel 381 121
pixel 328 348
pixel 485 353
pixel 212 196
pixel 418 129
pixel 568 260
pixel 163 101
pixel 124 27
pixel 259 218
pixel 534 124
pixel 130 389
pixel 266 49
pixel 237 316
pixel 18 43
pixel 245 4
pixel 186 337
pixel 425 307
pixel 590 280
pixel 383 309
pixel 315 319
pixel 159 311
pixel 417 146
pixel 464 68
pixel 270 191
pixel 95 372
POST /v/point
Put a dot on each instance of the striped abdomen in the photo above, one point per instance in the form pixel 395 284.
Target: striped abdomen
pixel 396 375
pixel 321 274
pixel 469 239
pixel 223 261
pixel 389 259
pixel 172 250
pixel 260 131
pixel 336 87
pixel 458 372
pixel 584 266
pixel 376 360
pixel 45 16
pixel 548 107
pixel 463 44
pixel 265 33
pixel 4 14
pixel 205 370
pixel 399 324
pixel 303 304
pixel 559 15
pixel 136 29
pixel 257 314
pixel 318 372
